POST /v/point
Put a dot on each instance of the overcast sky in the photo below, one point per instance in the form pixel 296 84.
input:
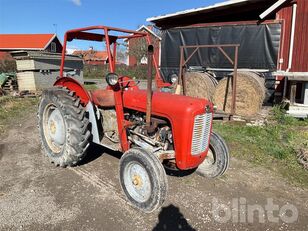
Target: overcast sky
pixel 48 16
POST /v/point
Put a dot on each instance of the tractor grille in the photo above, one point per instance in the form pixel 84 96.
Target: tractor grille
pixel 201 133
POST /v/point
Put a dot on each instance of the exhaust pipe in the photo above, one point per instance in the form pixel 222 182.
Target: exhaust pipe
pixel 149 87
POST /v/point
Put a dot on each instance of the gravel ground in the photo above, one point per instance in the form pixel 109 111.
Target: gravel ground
pixel 36 195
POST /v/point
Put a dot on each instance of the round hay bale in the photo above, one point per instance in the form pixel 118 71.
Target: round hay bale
pixel 200 85
pixel 250 94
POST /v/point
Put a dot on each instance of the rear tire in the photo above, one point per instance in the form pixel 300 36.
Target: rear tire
pixel 217 161
pixel 63 127
pixel 143 179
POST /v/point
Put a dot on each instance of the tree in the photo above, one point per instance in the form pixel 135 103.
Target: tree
pixel 7 65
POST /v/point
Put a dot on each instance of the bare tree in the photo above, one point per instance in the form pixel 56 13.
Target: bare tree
pixel 7 65
pixel 121 53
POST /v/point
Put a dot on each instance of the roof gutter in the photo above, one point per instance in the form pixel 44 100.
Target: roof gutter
pixel 196 10
pixel 272 8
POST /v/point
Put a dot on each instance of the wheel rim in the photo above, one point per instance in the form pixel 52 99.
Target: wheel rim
pixel 209 159
pixel 54 128
pixel 137 182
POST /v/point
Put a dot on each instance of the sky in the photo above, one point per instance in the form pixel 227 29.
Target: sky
pixel 50 16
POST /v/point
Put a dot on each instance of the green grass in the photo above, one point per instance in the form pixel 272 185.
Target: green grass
pixel 274 146
pixel 100 71
pixel 91 86
pixel 11 109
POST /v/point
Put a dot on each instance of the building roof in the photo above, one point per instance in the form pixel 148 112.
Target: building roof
pixel 92 55
pixel 226 6
pixel 196 10
pixel 25 41
pixel 147 29
pixel 143 27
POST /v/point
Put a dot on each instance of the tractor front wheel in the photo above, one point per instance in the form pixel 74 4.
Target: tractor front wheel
pixel 63 127
pixel 217 160
pixel 143 179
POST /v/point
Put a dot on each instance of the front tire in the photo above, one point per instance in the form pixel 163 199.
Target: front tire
pixel 217 160
pixel 63 127
pixel 143 179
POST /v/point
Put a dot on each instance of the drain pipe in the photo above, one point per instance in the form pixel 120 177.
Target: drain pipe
pixel 290 49
pixel 292 37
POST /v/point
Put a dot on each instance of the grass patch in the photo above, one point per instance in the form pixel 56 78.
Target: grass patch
pixel 100 71
pixel 274 146
pixel 90 86
pixel 11 109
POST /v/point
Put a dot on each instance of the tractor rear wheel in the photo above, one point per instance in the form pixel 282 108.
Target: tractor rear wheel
pixel 143 179
pixel 217 160
pixel 63 127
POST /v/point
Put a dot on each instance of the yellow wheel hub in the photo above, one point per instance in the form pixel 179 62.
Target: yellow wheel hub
pixel 53 127
pixel 137 181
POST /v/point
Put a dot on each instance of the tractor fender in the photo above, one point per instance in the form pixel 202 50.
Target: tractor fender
pixel 74 85
pixel 85 98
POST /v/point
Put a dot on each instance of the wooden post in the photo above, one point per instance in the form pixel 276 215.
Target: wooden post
pixel 306 93
pixel 293 92
pixel 234 83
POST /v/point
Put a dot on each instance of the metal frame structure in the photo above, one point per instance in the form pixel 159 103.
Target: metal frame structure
pixel 220 47
pixel 84 34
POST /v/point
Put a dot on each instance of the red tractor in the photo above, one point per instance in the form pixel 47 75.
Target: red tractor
pixel 154 130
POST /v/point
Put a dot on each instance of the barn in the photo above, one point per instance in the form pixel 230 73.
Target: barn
pixel 272 34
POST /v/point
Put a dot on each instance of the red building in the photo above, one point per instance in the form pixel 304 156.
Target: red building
pixel 132 59
pixel 285 47
pixel 93 57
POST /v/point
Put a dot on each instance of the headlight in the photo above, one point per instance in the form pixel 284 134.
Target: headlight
pixel 112 79
pixel 173 78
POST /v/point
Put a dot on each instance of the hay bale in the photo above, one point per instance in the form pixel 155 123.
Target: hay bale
pixel 249 95
pixel 200 85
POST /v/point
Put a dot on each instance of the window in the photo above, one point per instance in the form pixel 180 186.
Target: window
pixel 53 47
pixel 144 60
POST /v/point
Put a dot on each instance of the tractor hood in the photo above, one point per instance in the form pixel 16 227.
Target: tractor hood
pixel 181 112
pixel 166 105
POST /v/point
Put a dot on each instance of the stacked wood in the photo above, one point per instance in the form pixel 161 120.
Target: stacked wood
pixel 200 85
pixel 10 85
pixel 250 94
